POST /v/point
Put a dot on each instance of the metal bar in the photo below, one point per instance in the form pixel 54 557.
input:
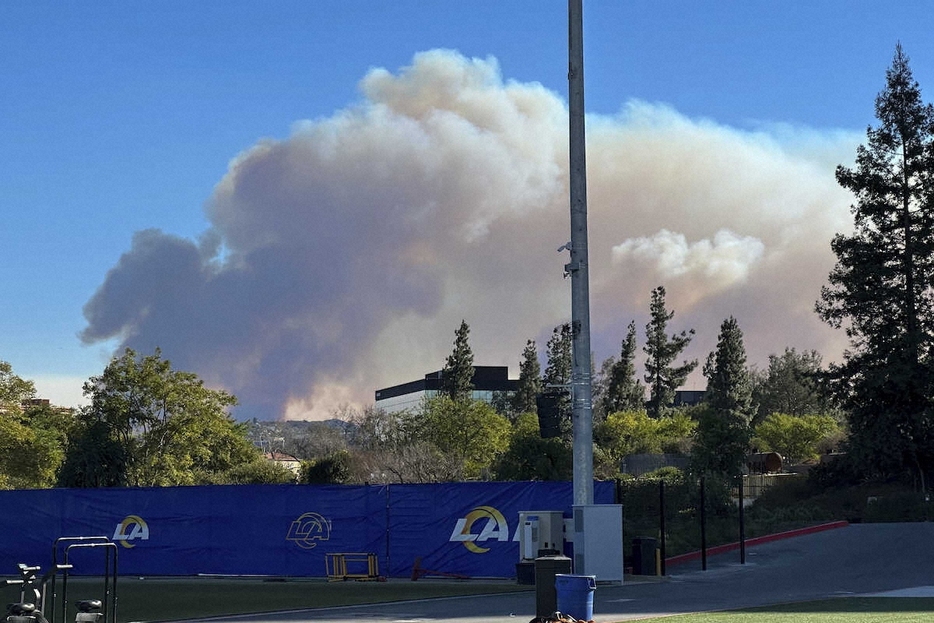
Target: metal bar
pixel 661 521
pixel 742 523
pixel 703 524
pixel 109 603
pixel 55 569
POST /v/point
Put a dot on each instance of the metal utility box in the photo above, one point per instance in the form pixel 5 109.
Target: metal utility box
pixel 598 541
pixel 540 533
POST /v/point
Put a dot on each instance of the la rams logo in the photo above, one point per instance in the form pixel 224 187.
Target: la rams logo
pixel 309 528
pixel 130 529
pixel 492 525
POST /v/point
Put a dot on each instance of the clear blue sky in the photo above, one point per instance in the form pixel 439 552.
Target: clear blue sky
pixel 121 116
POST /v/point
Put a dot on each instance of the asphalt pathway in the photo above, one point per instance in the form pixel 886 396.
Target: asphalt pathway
pixel 861 559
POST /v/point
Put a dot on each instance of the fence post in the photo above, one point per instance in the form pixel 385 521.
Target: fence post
pixel 742 523
pixel 703 524
pixel 661 523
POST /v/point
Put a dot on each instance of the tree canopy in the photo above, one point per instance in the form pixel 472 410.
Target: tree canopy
pixel 529 457
pixel 556 380
pixel 795 437
pixel 457 375
pixel 662 377
pixel 32 436
pixel 723 432
pixel 150 425
pixel 790 385
pixel 530 381
pixel 880 291
pixel 623 390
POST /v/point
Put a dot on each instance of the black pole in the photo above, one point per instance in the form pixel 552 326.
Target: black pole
pixel 661 522
pixel 742 523
pixel 388 523
pixel 703 525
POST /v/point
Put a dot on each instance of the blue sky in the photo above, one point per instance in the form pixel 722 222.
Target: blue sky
pixel 119 117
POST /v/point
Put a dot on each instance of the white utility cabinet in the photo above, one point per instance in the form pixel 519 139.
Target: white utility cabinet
pixel 598 541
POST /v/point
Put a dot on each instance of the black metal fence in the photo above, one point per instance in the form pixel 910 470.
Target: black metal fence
pixel 669 509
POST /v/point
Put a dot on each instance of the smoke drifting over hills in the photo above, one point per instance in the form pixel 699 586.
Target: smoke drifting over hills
pixel 343 258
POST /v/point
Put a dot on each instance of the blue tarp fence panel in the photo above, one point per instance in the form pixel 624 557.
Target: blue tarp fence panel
pixel 468 529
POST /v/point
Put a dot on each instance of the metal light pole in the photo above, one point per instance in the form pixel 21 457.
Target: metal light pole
pixel 577 268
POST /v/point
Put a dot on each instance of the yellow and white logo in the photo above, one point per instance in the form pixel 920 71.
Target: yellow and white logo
pixel 130 529
pixel 491 523
pixel 307 529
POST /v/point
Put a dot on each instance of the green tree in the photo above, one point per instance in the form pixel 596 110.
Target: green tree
pixel 880 289
pixel 14 390
pixel 556 380
pixel 723 432
pixel 150 425
pixel 470 432
pixel 624 392
pixel 795 437
pixel 529 385
pixel 257 472
pixel 529 457
pixel 95 457
pixel 663 378
pixel 32 437
pixel 790 385
pixel 634 432
pixel 333 469
pixel 391 447
pixel 457 375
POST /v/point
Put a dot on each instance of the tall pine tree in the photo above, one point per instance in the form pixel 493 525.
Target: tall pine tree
pixel 880 289
pixel 457 375
pixel 530 381
pixel 723 432
pixel 663 378
pixel 556 381
pixel 624 392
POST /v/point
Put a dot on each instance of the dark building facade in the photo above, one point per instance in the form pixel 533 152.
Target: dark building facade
pixel 486 381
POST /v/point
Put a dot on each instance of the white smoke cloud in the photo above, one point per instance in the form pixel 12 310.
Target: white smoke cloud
pixel 722 262
pixel 342 258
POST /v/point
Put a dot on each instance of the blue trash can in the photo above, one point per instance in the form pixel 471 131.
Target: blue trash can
pixel 575 595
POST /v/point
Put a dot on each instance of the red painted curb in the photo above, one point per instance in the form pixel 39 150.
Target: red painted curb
pixel 768 538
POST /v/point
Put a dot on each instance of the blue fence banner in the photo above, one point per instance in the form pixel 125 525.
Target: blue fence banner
pixel 468 529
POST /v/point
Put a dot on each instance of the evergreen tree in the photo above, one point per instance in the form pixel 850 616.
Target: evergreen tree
pixel 880 288
pixel 661 351
pixel 457 375
pixel 557 377
pixel 530 380
pixel 790 385
pixel 723 431
pixel 599 384
pixel 624 392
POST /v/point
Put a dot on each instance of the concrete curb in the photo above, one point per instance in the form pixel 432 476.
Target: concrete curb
pixel 759 540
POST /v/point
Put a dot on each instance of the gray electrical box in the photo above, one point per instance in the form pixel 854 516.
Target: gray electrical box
pixel 540 533
pixel 598 541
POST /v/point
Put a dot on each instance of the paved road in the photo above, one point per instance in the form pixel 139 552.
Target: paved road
pixel 857 559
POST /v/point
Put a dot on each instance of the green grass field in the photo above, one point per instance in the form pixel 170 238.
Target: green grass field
pixel 166 599
pixel 842 610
